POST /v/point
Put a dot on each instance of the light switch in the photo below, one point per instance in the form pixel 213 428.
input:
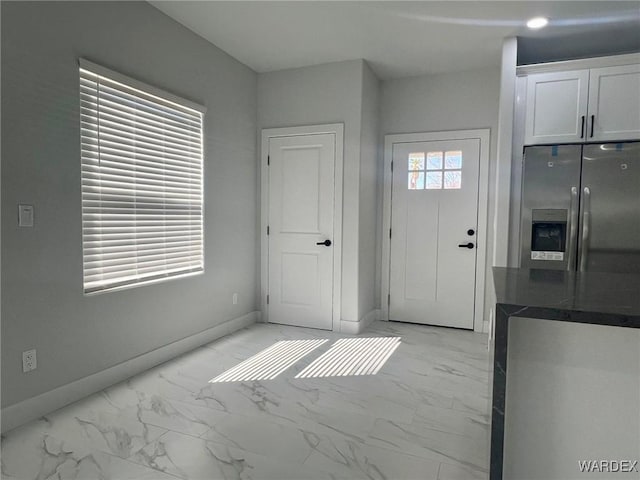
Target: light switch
pixel 25 215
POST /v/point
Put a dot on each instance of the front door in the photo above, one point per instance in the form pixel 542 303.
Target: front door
pixel 434 217
pixel 301 203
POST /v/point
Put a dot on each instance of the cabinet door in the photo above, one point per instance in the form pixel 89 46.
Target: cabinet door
pixel 556 107
pixel 614 103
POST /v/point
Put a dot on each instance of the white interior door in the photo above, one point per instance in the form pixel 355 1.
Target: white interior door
pixel 301 197
pixel 434 217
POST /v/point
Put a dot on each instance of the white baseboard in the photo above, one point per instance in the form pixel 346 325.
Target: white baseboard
pixel 355 328
pixel 35 407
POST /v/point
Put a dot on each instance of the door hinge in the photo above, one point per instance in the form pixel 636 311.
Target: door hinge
pixel 268 160
pixel 389 299
pixel 267 229
pixel 392 165
pixel 267 299
pixel 389 233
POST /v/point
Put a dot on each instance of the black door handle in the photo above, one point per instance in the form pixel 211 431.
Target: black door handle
pixel 326 243
pixel 466 245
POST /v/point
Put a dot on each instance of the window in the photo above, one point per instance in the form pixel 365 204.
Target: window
pixel 434 174
pixel 142 168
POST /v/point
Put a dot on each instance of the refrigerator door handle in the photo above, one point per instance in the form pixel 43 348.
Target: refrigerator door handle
pixel 585 229
pixel 573 229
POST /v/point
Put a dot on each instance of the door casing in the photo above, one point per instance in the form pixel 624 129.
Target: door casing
pixel 483 188
pixel 336 129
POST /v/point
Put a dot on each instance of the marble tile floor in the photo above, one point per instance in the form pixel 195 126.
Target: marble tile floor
pixel 424 416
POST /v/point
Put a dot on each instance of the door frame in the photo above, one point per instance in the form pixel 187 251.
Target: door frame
pixel 337 129
pixel 483 189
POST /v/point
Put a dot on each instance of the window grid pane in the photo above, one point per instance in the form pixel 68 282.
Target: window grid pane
pixel 434 161
pixel 453 160
pixel 434 180
pixel 416 181
pixel 142 193
pixel 452 179
pixel 416 161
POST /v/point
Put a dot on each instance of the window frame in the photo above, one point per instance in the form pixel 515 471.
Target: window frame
pixel 442 170
pixel 165 100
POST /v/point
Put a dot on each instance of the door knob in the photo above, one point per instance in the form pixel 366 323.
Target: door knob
pixel 466 245
pixel 326 243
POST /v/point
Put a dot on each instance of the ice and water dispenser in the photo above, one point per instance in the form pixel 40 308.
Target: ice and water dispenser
pixel 548 234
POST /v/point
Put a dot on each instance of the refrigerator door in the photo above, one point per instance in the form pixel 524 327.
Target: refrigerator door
pixel 549 216
pixel 609 237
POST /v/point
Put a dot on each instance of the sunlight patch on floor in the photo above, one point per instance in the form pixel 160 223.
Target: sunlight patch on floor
pixel 352 356
pixel 271 362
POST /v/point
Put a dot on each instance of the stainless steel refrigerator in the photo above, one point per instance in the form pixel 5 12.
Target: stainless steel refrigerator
pixel 581 207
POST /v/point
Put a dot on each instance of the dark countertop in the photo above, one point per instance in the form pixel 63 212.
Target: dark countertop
pixel 611 299
pixel 597 293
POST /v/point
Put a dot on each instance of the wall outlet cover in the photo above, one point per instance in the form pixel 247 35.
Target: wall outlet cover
pixel 29 361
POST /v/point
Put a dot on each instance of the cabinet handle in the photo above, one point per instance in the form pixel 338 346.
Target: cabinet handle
pixel 582 128
pixel 593 120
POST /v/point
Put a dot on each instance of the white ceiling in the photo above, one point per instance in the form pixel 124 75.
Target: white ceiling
pixel 398 39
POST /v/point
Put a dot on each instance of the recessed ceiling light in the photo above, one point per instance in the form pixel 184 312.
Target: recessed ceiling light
pixel 537 22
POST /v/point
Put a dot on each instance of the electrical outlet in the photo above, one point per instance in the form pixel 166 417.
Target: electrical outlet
pixel 234 299
pixel 29 361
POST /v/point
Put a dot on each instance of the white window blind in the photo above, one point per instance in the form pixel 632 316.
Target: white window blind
pixel 142 169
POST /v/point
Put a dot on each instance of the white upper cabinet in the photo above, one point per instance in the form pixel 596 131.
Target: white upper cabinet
pixel 556 107
pixel 589 105
pixel 614 103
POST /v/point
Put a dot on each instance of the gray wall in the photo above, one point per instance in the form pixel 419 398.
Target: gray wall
pixel 369 239
pixel 328 93
pixel 614 40
pixel 453 101
pixel 43 306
